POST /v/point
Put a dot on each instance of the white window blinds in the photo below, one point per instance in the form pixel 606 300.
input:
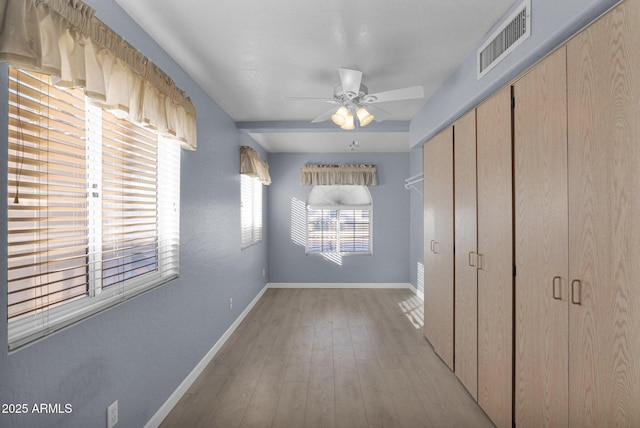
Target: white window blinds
pixel 338 231
pixel 93 208
pixel 251 210
pixel 339 219
pixel 354 231
pixel 129 201
pixel 47 206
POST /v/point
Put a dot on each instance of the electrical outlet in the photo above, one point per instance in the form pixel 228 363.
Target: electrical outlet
pixel 112 414
pixel 264 272
pixel 230 303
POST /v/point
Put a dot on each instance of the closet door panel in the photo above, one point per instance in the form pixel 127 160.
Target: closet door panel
pixel 495 264
pixel 438 288
pixel 430 266
pixel 466 233
pixel 541 217
pixel 604 229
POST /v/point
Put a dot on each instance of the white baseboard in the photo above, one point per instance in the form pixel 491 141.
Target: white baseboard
pixel 412 288
pixel 419 293
pixel 340 285
pixel 173 399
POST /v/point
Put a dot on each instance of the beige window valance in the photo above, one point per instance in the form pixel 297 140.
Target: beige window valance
pixel 252 165
pixel 363 175
pixel 64 39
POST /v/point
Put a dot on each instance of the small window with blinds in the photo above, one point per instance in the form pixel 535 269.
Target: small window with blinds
pixel 93 208
pixel 250 210
pixel 339 220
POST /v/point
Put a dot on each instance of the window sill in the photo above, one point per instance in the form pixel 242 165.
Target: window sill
pixel 250 244
pixel 336 253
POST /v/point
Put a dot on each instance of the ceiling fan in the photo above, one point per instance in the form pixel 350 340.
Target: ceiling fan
pixel 356 102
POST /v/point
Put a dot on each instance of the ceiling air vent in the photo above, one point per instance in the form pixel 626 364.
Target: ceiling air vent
pixel 506 38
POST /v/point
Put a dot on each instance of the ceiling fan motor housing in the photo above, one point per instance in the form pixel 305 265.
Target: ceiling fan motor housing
pixel 351 98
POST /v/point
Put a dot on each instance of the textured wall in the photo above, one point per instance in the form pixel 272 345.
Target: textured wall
pixel 287 259
pixel 140 351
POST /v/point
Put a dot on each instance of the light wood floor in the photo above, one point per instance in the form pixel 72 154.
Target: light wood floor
pixel 328 358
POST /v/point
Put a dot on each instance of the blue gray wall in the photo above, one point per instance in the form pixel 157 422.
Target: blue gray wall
pixel 140 351
pixel 287 260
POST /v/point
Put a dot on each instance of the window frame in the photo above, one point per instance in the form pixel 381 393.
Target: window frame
pixel 45 320
pixel 338 209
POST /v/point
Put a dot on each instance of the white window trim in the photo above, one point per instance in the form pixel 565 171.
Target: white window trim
pixel 339 198
pixel 342 253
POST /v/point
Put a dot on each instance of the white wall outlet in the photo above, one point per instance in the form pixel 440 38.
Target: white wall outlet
pixel 112 414
pixel 230 302
pixel 264 272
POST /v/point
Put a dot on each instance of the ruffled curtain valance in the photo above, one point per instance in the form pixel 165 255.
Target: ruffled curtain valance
pixel 252 165
pixel 363 175
pixel 64 39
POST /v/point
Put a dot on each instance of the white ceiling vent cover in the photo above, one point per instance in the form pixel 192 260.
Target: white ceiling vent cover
pixel 505 39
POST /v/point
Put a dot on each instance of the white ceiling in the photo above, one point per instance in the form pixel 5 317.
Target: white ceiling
pixel 248 54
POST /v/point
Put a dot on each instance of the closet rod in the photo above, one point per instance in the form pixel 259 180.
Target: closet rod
pixel 409 183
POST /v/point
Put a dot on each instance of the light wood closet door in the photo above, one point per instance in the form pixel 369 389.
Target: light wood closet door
pixel 604 229
pixel 466 235
pixel 541 216
pixel 438 275
pixel 495 258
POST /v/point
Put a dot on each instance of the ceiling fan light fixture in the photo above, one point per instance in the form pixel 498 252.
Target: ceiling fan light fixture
pixel 364 116
pixel 352 96
pixel 340 116
pixel 349 122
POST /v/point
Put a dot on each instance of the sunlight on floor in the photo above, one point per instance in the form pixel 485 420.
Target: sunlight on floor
pixel 420 277
pixel 413 309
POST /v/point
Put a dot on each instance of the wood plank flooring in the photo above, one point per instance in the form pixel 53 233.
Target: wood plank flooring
pixel 328 358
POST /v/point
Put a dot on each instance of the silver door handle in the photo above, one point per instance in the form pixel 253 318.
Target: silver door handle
pixel 576 298
pixel 556 284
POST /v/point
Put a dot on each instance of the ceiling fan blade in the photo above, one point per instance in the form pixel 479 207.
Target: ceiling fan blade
pixel 350 80
pixel 326 100
pixel 378 114
pixel 395 95
pixel 324 116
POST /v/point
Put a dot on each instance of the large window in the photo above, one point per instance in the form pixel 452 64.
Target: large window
pixel 93 208
pixel 339 220
pixel 251 210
